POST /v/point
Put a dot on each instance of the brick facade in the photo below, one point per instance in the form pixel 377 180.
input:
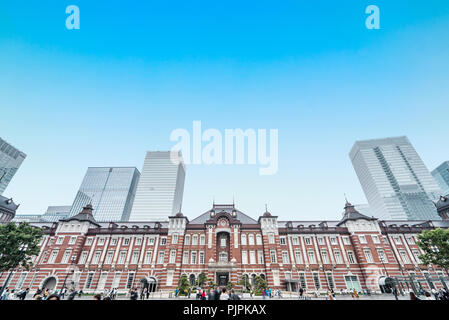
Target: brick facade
pixel 225 244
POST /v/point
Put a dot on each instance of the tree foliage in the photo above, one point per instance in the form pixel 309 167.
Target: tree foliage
pixel 435 244
pixel 19 243
pixel 245 282
pixel 183 284
pixel 260 283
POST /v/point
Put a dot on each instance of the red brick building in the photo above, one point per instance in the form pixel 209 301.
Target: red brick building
pixel 354 252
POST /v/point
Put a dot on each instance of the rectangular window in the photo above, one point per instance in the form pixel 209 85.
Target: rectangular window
pixel 116 281
pixel 193 257
pixel 138 241
pixel 260 257
pixel 53 256
pixel 130 280
pixel 311 256
pixel 201 257
pixel 307 239
pixel 376 239
pixel 346 241
pixel 404 256
pixel 251 239
pixel 316 280
pixel 223 242
pixel 135 257
pixel 66 256
pixel 21 280
pixel 333 240
pixel 397 240
pixel 273 256
pixel 285 257
pixel 83 257
pixel 382 256
pixel 252 257
pixel 330 281
pixel 72 240
pixel 202 240
pixel 122 257
pixel 295 241
pixel 161 257
pixel 258 240
pixel 282 240
pixel 109 256
pixel 148 256
pixel 271 238
pixel 298 257
pixel 416 255
pixel 320 240
pixel 163 241
pixel 324 257
pixel 113 241
pixel 185 257
pixel 96 257
pixel 302 280
pixel 362 239
pixel 194 240
pixel 89 280
pixel 368 256
pixel 243 239
pixel 351 257
pixel 172 256
pixel 337 256
pixel 151 241
pixel 174 239
pixel 244 257
pixel 410 240
pixel 60 240
pixel 101 241
pixel 126 241
pixel 187 240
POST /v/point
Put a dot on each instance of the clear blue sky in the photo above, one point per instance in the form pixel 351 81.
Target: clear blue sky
pixel 105 94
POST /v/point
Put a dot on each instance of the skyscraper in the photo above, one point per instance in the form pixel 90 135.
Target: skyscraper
pixel 10 161
pixel 441 175
pixel 161 186
pixel 394 179
pixel 110 190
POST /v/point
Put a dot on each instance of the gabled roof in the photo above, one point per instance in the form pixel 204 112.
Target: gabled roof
pixel 352 214
pixel 228 208
pixel 84 215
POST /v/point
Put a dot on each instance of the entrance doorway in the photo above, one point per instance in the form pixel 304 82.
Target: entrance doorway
pixel 222 278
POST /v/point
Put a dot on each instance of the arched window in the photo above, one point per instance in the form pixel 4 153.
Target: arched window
pixel 223 257
pixel 192 279
pixel 251 239
pixel 243 239
pixel 187 240
pixel 259 240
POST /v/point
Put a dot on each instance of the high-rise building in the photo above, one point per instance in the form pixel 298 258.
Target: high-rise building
pixel 10 161
pixel 441 175
pixel 161 186
pixel 394 179
pixel 110 190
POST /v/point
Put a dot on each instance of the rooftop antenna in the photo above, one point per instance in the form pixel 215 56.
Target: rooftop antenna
pixel 266 207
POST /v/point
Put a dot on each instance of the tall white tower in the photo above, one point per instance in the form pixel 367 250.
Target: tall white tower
pixel 396 183
pixel 160 188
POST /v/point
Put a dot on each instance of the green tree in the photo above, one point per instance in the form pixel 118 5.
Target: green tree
pixel 19 243
pixel 435 244
pixel 229 286
pixel 202 279
pixel 245 283
pixel 183 284
pixel 259 284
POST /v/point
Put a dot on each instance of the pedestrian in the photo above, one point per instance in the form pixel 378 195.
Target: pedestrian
pixel 413 296
pixel 189 292
pixel 134 294
pixel 72 295
pixel 12 295
pixel 435 293
pixel 80 293
pixel 428 296
pixel 251 292
pixel 203 295
pixel 5 294
pixel 53 296
pixel 233 295
pixel 147 293
pixel 224 295
pixel 217 293
pixel 356 294
pixel 97 297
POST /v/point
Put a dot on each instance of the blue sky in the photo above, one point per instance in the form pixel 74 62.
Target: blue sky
pixel 105 94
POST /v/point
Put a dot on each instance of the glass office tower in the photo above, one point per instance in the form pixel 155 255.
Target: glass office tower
pixel 396 183
pixel 161 186
pixel 441 175
pixel 10 161
pixel 110 190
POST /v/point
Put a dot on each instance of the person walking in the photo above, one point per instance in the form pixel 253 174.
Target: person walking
pixel 134 294
pixel 224 295
pixel 413 296
pixel 233 295
pixel 5 294
pixel 72 295
pixel 217 293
